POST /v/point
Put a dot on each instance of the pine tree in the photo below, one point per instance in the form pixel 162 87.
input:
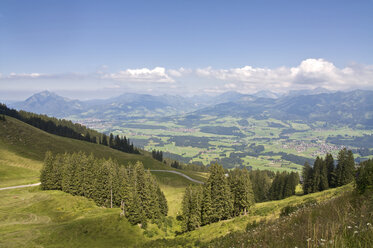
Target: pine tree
pixel 104 140
pixel 364 176
pixel 307 178
pixel 89 177
pixel 345 167
pixel 221 200
pixel 329 161
pixel 261 185
pixel 111 140
pixel 46 173
pixel 163 207
pixel 350 167
pixel 289 185
pixel 323 176
pixel 191 208
pixel 316 174
pixel 242 192
pixel 206 208
pixel 58 167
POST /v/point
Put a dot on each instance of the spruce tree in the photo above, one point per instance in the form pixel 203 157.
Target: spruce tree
pixel 323 176
pixel 345 167
pixel 317 174
pixel 350 167
pixel 191 208
pixel 46 174
pixel 307 175
pixel 221 199
pixel 329 161
pixel 206 206
pixel 261 185
pixel 163 207
pixel 242 192
pixel 111 140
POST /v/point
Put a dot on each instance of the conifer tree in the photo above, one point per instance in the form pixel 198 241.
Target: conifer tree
pixel 329 161
pixel 242 192
pixel 104 140
pixel 221 200
pixel 307 178
pixel 89 177
pixel 111 140
pixel 323 176
pixel 261 185
pixel 191 208
pixel 163 207
pixel 46 173
pixel 289 185
pixel 345 167
pixel 58 172
pixel 206 208
pixel 316 174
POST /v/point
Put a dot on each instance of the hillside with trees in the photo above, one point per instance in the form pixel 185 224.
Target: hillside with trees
pixel 131 188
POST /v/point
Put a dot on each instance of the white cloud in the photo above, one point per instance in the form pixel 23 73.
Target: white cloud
pixel 156 75
pixel 179 72
pixel 14 75
pixel 310 73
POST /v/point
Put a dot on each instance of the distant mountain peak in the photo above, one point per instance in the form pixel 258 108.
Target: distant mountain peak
pixel 266 94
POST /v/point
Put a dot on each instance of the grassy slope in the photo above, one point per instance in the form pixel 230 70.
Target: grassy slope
pixel 32 143
pixel 344 221
pixel 30 217
pixel 22 150
pixel 261 211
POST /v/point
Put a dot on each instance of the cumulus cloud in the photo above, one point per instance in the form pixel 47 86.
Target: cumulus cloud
pixel 179 72
pixel 310 73
pixel 156 75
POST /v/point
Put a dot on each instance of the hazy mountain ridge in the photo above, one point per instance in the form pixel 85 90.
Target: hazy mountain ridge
pixel 353 108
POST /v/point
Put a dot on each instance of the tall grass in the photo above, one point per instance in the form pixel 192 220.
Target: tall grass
pixel 344 221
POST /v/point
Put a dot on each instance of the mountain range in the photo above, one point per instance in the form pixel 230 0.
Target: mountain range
pixel 352 108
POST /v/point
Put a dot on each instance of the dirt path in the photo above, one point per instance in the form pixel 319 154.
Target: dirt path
pixel 181 174
pixel 20 186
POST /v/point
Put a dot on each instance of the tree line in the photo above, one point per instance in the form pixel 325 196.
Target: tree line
pixel 131 188
pixel 324 174
pixel 269 186
pixel 193 167
pixel 220 198
pixel 69 129
pixel 158 155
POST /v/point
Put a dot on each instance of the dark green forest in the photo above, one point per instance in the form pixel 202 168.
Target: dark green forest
pixel 324 174
pixel 224 196
pixel 132 188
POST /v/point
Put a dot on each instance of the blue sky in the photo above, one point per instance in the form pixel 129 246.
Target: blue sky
pixel 100 48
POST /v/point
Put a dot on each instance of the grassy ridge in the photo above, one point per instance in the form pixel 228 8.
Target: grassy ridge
pixel 32 143
pixel 22 150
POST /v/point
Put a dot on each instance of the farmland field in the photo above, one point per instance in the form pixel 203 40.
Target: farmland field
pixel 240 142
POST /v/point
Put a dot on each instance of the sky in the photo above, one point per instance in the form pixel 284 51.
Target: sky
pixel 97 49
